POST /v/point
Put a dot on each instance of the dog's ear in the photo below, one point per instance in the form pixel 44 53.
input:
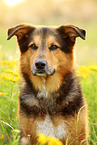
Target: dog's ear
pixel 72 32
pixel 20 31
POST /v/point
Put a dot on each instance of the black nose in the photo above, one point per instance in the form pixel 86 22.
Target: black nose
pixel 40 64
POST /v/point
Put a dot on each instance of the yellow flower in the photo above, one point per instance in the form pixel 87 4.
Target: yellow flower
pixel 42 138
pixel 12 72
pixel 16 79
pixel 1 137
pixel 9 77
pixel 94 67
pixel 54 141
pixel 10 63
pixel 83 72
pixel 2 94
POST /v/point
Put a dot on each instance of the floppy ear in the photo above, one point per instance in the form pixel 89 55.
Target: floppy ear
pixel 20 31
pixel 72 31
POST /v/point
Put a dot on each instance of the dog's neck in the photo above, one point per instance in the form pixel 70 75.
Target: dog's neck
pixel 64 97
pixel 47 85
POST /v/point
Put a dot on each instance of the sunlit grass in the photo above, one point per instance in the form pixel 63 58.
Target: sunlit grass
pixel 8 101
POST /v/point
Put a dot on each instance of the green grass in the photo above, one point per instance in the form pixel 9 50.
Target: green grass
pixel 89 87
pixel 8 109
pixel 9 124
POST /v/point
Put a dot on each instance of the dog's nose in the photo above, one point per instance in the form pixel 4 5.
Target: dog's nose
pixel 40 64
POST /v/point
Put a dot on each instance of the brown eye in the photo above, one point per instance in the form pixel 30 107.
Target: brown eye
pixel 33 46
pixel 53 47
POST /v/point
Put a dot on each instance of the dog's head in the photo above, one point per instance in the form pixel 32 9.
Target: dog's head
pixel 48 49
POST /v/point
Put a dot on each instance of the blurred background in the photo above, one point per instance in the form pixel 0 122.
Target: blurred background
pixel 82 13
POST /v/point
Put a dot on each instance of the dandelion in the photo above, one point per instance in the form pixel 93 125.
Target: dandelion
pixel 54 141
pixel 42 138
pixel 16 79
pixel 1 137
pixel 4 62
pixel 2 94
pixel 9 63
pixel 83 72
pixel 12 72
pixel 10 77
pixel 93 67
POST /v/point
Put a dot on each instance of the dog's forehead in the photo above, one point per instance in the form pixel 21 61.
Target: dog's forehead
pixel 45 35
pixel 45 31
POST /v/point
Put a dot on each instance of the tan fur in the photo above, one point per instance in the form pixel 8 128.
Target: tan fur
pixel 75 126
pixel 29 128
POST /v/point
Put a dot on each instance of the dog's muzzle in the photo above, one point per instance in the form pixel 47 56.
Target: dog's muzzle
pixel 41 68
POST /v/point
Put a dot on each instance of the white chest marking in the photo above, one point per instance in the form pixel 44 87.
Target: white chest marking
pixel 47 127
pixel 43 92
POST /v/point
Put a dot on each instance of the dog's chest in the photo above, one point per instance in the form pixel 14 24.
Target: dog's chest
pixel 43 93
pixel 48 128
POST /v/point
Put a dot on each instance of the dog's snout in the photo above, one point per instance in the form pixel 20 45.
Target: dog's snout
pixel 41 68
pixel 40 64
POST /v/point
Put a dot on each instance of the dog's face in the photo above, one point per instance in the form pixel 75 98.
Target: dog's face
pixel 46 50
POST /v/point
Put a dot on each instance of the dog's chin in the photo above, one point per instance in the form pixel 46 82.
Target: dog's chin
pixel 43 73
pixel 40 74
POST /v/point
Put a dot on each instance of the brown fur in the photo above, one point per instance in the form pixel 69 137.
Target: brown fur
pixel 53 96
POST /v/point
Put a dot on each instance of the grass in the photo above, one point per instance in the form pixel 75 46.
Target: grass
pixel 9 89
pixel 89 87
pixel 8 110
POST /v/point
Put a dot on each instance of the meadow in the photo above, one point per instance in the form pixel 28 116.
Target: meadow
pixel 10 82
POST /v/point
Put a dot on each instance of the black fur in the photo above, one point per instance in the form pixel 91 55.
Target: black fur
pixel 64 40
pixel 44 30
pixel 66 101
pixel 23 43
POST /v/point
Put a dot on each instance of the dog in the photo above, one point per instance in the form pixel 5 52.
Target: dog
pixel 51 101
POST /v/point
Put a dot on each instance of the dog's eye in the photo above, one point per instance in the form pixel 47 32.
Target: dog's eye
pixel 33 46
pixel 53 47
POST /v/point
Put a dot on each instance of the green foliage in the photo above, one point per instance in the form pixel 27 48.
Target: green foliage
pixel 89 86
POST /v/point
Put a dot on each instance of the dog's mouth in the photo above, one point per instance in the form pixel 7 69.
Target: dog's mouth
pixel 44 72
